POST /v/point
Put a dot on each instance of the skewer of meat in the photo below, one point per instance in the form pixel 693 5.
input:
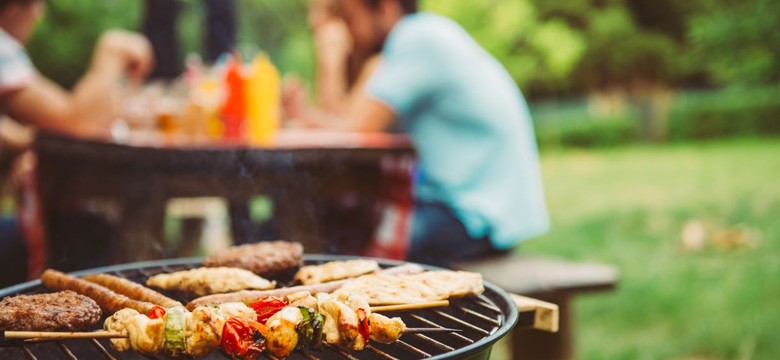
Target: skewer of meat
pixel 108 300
pixel 241 331
pixel 131 289
pixel 176 332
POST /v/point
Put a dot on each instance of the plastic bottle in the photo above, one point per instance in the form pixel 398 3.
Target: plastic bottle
pixel 263 101
pixel 210 94
pixel 234 108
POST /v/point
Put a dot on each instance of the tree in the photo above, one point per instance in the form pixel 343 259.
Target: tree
pixel 62 43
pixel 538 53
pixel 737 42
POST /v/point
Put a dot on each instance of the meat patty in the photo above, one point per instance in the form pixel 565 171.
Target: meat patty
pixel 60 311
pixel 263 258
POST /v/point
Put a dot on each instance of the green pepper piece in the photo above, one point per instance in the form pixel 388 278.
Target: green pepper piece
pixel 174 333
pixel 317 322
pixel 304 328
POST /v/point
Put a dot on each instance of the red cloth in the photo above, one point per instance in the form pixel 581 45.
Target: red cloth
pixel 391 240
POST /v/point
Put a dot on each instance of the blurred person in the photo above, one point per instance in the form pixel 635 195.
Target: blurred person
pixel 159 25
pixel 341 69
pixel 479 189
pixel 87 110
pixel 337 77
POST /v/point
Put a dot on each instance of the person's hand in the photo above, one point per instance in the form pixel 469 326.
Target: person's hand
pixel 130 50
pixel 294 99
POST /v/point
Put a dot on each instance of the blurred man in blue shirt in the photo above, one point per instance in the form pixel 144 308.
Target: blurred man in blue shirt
pixel 480 188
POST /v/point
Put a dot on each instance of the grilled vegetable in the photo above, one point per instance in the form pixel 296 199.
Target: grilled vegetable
pixel 267 307
pixel 242 340
pixel 175 345
pixel 363 327
pixel 317 322
pixel 158 312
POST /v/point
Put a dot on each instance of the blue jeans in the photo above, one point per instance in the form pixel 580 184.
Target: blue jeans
pixel 13 253
pixel 439 238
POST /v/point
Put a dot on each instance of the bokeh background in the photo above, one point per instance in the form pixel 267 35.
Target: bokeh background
pixel 657 122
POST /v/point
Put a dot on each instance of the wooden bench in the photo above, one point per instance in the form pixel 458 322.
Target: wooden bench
pixel 551 280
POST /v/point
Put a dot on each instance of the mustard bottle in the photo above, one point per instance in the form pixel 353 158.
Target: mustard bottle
pixel 263 101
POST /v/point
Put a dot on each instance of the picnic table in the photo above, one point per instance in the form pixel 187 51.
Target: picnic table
pixel 328 190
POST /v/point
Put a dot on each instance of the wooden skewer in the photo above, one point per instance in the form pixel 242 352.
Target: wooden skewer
pixel 413 306
pixel 48 335
pixel 51 335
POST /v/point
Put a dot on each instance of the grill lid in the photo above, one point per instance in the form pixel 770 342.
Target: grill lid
pixel 483 321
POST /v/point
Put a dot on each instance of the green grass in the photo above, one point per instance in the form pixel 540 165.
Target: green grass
pixel 627 207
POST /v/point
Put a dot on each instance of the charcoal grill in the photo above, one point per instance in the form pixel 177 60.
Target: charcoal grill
pixel 483 320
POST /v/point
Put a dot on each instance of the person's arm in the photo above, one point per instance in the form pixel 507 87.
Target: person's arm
pixel 368 114
pixel 333 46
pixel 365 114
pixel 90 108
pixel 345 113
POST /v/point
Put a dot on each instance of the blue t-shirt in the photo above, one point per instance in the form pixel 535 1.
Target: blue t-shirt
pixel 470 125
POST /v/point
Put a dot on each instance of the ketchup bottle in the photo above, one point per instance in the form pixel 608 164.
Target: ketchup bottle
pixel 233 110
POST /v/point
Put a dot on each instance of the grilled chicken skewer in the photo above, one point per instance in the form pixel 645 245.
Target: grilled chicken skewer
pixel 181 334
pixel 176 332
pixel 302 321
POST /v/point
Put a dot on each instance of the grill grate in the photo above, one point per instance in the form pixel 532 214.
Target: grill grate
pixel 483 319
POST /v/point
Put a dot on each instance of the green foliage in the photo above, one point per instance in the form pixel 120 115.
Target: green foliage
pixel 693 116
pixel 590 132
pixel 737 42
pixel 726 114
pixel 62 44
pixel 532 49
pixel 620 52
pixel 279 28
pixel 550 47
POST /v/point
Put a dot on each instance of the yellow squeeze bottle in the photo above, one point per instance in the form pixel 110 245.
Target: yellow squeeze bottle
pixel 262 101
pixel 209 95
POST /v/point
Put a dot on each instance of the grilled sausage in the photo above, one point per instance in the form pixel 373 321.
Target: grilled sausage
pixel 109 301
pixel 248 296
pixel 131 289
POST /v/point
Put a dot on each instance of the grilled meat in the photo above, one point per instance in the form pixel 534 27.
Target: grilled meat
pixel 384 329
pixel 282 335
pixel 118 323
pixel 263 258
pixel 131 289
pixel 207 281
pixel 60 311
pixel 382 289
pixel 108 300
pixel 341 323
pixel 248 296
pixel 335 270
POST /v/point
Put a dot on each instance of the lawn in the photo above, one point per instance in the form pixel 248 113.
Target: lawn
pixel 628 206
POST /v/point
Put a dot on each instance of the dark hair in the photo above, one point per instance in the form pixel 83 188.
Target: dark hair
pixel 6 3
pixel 409 6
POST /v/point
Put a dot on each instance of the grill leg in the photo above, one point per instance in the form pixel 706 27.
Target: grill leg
pixel 534 344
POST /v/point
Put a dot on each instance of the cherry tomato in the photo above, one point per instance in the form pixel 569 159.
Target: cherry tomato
pixel 363 327
pixel 267 307
pixel 241 340
pixel 158 312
